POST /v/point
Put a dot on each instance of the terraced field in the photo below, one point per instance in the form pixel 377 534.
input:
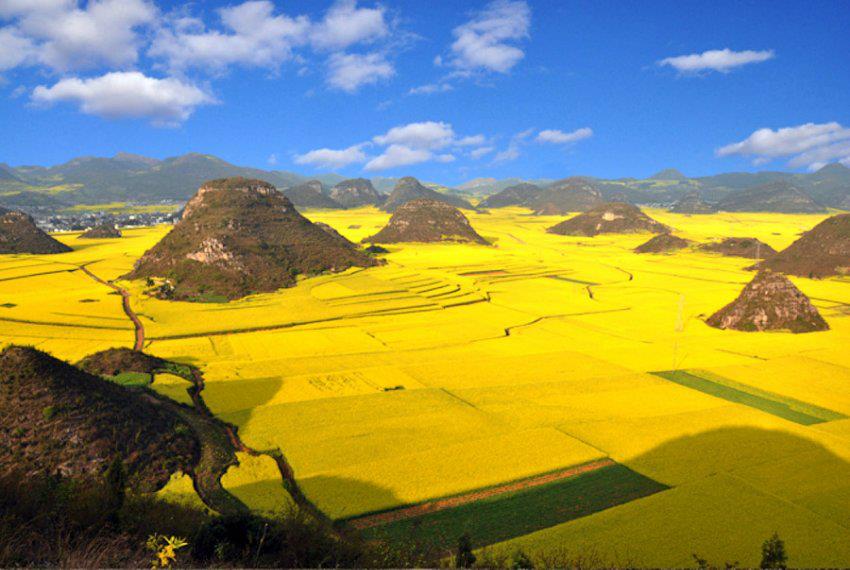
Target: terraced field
pixel 454 369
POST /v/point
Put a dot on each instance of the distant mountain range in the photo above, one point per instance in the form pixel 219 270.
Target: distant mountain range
pixel 133 178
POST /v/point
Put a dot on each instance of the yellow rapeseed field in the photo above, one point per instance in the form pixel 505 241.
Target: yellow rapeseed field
pixel 455 367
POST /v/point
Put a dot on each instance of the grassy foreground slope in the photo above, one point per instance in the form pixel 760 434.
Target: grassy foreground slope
pixel 457 367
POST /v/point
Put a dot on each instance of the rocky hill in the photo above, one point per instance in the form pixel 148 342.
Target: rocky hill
pixel 102 232
pixel 426 221
pixel 663 243
pixel 517 195
pixel 58 420
pixel 576 194
pixel 769 302
pixel 739 247
pixel 691 203
pixel 310 194
pixel 409 188
pixel 19 234
pixel 240 236
pixel 356 192
pixel 820 252
pixel 779 196
pixel 610 218
pixel 113 361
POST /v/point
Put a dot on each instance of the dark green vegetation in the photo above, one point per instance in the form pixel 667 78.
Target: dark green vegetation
pixel 52 522
pixel 509 515
pixel 237 237
pixel 310 194
pixel 58 420
pixel 409 188
pixel 739 247
pixel 613 217
pixel 774 404
pixel 769 302
pixel 426 221
pixel 19 234
pixel 820 252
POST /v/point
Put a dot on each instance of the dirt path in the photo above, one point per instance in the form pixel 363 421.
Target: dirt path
pixel 387 517
pixel 125 304
pixel 219 440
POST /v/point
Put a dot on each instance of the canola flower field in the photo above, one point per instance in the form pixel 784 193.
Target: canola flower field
pixel 454 368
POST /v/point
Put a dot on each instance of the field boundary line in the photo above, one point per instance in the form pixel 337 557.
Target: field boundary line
pixel 402 513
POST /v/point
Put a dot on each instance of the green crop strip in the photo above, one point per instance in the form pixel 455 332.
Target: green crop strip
pixel 781 406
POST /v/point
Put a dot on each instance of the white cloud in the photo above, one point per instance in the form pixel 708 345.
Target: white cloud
pixel 810 144
pixel 474 140
pixel 127 94
pixel 272 159
pixel 403 145
pixel 398 155
pixel 345 24
pixel 329 158
pixel 65 37
pixel 486 42
pixel 555 136
pixel 253 36
pixel 480 152
pixel 722 60
pixel 510 153
pixel 513 152
pixel 349 72
pixel 425 135
pixel 15 49
pixel 430 89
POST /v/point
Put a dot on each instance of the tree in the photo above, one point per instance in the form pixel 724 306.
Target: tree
pixel 773 553
pixel 116 486
pixel 464 558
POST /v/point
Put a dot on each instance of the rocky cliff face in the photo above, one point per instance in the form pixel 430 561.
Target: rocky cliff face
pixel 356 192
pixel 240 236
pixel 769 302
pixel 409 188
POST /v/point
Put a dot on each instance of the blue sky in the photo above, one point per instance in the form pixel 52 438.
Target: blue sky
pixel 442 90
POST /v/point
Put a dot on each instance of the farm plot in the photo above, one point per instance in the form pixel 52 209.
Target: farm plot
pixel 457 368
pixel 522 508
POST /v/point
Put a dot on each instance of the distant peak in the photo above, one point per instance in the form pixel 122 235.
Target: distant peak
pixel 833 167
pixel 669 174
pixel 137 158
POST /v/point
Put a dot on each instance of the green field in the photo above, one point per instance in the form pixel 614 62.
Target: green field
pixel 507 516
